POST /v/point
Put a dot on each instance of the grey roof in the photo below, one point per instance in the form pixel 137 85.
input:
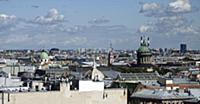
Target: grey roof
pixel 183 81
pixel 195 72
pixel 195 93
pixel 3 74
pixel 138 76
pixel 160 95
pixel 55 71
pixel 192 101
pixel 150 83
pixel 111 74
pixel 77 75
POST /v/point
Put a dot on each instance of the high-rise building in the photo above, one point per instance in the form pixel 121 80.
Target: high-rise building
pixel 183 48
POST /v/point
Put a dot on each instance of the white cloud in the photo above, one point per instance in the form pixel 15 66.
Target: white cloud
pixel 150 7
pixel 74 29
pixel 101 20
pixel 17 39
pixel 144 29
pixel 173 18
pixel 175 7
pixel 180 6
pixel 7 22
pixel 170 25
pixel 51 30
pixel 76 41
pixel 4 17
pixel 52 17
pixel 39 36
pixel 152 10
pixel 187 30
pixel 169 19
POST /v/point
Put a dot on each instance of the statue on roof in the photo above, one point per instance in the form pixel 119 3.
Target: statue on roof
pixel 144 41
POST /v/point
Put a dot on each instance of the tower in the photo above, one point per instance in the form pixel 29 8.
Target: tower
pixel 143 52
pixel 110 55
pixel 183 48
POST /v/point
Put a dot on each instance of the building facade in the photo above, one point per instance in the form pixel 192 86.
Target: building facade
pixel 66 96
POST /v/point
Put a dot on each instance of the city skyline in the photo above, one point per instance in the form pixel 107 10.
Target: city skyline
pixel 68 24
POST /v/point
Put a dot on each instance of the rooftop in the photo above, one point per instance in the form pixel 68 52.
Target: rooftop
pixel 161 95
pixel 138 76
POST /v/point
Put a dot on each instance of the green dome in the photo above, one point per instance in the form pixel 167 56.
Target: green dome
pixel 144 49
pixel 44 55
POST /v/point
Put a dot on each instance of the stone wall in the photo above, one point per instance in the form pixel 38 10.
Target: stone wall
pixel 108 96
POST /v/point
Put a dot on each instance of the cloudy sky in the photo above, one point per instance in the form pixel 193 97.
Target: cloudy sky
pixel 68 24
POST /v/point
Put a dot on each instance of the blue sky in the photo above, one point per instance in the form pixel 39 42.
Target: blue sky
pixel 97 23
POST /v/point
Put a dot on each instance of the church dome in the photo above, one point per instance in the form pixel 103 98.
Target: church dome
pixel 144 49
pixel 44 55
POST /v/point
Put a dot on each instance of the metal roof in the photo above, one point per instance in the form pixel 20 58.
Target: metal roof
pixel 138 76
pixel 160 95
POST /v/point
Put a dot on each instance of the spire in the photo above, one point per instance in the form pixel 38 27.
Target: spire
pixel 110 45
pixel 94 63
pixel 97 75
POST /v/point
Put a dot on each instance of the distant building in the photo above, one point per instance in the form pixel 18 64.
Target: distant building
pixel 161 51
pixel 177 83
pixel 44 59
pixel 54 51
pixel 148 96
pixel 110 56
pixel 183 48
pixel 144 53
